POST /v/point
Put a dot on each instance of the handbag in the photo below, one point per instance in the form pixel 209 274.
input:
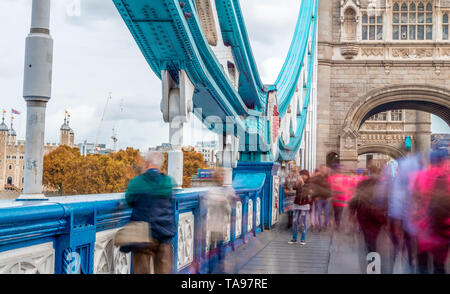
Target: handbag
pixel 133 235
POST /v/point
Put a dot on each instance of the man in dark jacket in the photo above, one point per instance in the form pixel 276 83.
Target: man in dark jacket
pixel 150 196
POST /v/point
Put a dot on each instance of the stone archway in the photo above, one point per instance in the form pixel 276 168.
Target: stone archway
pixel 382 149
pixel 426 98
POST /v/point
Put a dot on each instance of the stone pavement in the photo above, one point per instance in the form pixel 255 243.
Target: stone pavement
pixel 270 253
pixel 325 252
pixel 279 257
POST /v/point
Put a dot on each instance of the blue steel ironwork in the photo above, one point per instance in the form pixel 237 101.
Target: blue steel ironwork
pixel 170 37
pixel 71 223
pixel 287 151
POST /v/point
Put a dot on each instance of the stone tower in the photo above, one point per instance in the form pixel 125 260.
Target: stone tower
pixel 67 135
pixel 380 63
pixel 3 144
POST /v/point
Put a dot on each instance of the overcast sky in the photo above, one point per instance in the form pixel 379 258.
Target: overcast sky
pixel 95 54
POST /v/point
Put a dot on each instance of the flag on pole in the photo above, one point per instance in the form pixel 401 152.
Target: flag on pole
pixel 14 111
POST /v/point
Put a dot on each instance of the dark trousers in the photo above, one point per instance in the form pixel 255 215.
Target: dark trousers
pixel 338 215
pixel 439 255
pixel 370 237
pixel 162 254
pixel 290 216
pixel 396 231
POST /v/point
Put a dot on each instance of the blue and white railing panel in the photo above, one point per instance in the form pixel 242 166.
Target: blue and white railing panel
pixel 108 259
pixel 75 234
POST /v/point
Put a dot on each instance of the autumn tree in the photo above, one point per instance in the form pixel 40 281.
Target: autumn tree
pixel 56 164
pixel 70 173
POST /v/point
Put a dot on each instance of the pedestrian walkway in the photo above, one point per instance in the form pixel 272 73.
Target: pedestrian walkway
pixel 279 257
pixel 270 253
pixel 324 253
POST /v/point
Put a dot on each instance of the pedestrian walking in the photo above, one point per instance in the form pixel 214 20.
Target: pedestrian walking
pixel 302 206
pixel 218 203
pixel 322 197
pixel 150 196
pixel 289 192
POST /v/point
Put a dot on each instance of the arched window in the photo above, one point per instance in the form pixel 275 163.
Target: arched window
pixel 9 181
pixel 445 25
pixel 10 167
pixel 412 22
pixel 372 27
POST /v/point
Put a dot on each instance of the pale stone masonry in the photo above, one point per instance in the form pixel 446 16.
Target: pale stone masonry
pixel 375 55
pixel 12 154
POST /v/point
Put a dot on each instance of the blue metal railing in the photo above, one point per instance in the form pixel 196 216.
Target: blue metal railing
pixel 72 223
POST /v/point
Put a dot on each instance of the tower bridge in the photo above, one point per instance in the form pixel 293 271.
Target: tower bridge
pixel 200 50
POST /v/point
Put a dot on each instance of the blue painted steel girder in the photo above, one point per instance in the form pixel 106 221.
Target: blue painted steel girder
pixel 171 41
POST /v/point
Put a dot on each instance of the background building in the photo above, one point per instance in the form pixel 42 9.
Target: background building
pixel 440 141
pixel 209 151
pixel 90 148
pixel 376 59
pixel 12 154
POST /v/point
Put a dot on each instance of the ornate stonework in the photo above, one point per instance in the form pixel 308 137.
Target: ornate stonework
pixel 275 199
pixel 250 215
pixel 258 212
pixel 207 22
pixel 37 259
pixel 238 219
pixel 107 258
pixel 392 67
pixel 349 51
pixel 444 52
pixel 412 52
pixel 372 51
pixel 185 245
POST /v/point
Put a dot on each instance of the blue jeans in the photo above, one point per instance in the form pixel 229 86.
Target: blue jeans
pixel 323 206
pixel 299 215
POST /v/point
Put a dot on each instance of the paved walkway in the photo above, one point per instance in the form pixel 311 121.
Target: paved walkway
pixel 270 253
pixel 279 257
pixel 324 253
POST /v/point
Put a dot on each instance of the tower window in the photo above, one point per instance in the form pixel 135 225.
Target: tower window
pixel 413 22
pixel 445 26
pixel 382 116
pixel 397 115
pixel 372 27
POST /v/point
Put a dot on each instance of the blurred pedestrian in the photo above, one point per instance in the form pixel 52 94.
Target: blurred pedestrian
pixel 430 213
pixel 289 192
pixel 218 203
pixel 150 196
pixel 399 207
pixel 369 209
pixel 340 191
pixel 302 206
pixel 322 197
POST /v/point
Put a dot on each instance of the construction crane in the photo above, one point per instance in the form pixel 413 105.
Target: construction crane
pixel 114 138
pixel 101 121
pixel 114 130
